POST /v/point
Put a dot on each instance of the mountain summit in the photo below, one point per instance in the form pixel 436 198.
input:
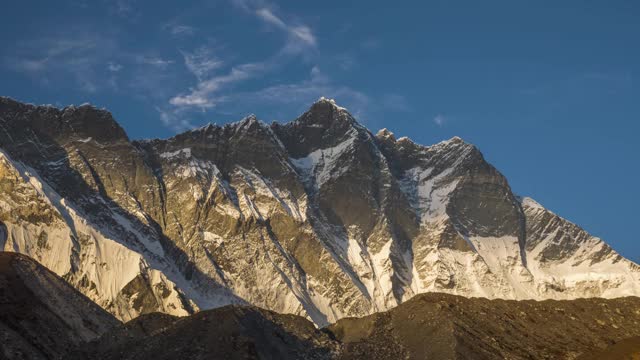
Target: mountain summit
pixel 316 217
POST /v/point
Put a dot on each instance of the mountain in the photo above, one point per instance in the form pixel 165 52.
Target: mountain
pixel 443 326
pixel 429 326
pixel 317 217
pixel 41 316
pixel 230 332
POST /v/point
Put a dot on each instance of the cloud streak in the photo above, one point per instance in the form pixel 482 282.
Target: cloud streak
pixel 153 61
pixel 201 62
pixel 114 67
pixel 181 30
pixel 298 33
pixel 203 96
pixel 300 37
pixel 279 100
pixel 53 58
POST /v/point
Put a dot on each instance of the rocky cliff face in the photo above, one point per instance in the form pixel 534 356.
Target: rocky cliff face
pixel 317 217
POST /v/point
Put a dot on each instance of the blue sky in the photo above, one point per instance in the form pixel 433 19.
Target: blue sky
pixel 548 90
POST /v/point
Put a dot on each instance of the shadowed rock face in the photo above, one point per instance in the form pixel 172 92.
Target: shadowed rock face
pixel 3 234
pixel 316 217
pixel 41 316
pixel 231 332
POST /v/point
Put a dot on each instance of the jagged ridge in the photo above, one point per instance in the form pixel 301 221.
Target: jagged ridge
pixel 316 217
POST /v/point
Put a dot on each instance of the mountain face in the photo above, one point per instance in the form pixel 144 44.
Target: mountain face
pixel 41 316
pixel 230 332
pixel 443 326
pixel 316 217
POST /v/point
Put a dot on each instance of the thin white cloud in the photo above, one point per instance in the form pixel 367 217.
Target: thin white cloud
pixel 28 65
pixel 300 37
pixel 268 16
pixel 439 120
pixel 297 96
pixel 45 54
pixel 181 30
pixel 174 120
pixel 153 61
pixel 317 76
pixel 204 95
pixel 51 59
pixel 201 62
pixel 303 33
pixel 282 98
pixel 114 67
pixel 300 32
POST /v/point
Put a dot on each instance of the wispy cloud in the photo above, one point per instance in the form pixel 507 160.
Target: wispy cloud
pixel 268 16
pixel 300 33
pixel 296 96
pixel 201 62
pixel 439 120
pixel 153 61
pixel 101 61
pixel 180 30
pixel 204 95
pixel 90 62
pixel 39 55
pixel 174 120
pixel 60 57
pixel 114 67
pixel 300 37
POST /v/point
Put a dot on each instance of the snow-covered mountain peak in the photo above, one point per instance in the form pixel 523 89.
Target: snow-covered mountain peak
pixel 531 203
pixel 385 134
pixel 332 102
pixel 205 128
pixel 315 217
pixel 326 113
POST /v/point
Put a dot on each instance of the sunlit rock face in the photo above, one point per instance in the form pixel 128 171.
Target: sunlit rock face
pixel 316 217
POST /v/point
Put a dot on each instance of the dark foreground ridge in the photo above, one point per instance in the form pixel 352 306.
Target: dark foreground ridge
pixel 42 317
pixel 442 326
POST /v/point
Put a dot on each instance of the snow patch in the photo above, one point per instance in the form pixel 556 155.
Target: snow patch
pixel 322 165
pixel 172 154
